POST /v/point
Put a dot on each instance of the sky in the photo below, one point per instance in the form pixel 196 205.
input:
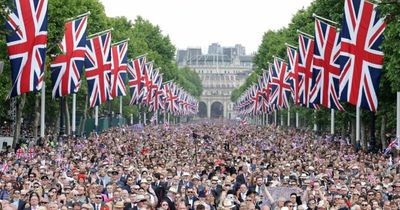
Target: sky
pixel 198 23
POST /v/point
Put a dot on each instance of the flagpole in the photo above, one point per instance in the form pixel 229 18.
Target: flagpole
pixel 325 19
pixel 156 117
pixel 297 119
pixel 73 114
pixel 282 118
pixel 266 118
pixel 305 34
pixel 100 33
pixel 289 45
pixel 131 119
pixel 315 123
pixel 120 42
pixel 275 118
pixel 120 106
pixel 78 16
pixel 96 118
pixel 144 117
pixel 288 117
pixel 140 114
pixel 398 116
pixel 62 111
pixel 42 110
pixel 332 121
pixel 283 60
pixel 358 124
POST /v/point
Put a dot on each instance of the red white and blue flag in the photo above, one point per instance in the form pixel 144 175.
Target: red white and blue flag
pixel 306 51
pixel 244 121
pixel 158 97
pixel 156 82
pixel 171 97
pixel 361 59
pixel 293 72
pixel 119 55
pixel 135 75
pixel 283 88
pixel 26 44
pixel 395 144
pixel 326 73
pixel 98 68
pixel 66 69
pixel 146 83
pixel 263 99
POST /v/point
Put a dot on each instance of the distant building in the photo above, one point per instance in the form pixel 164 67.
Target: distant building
pixel 221 70
pixel 215 49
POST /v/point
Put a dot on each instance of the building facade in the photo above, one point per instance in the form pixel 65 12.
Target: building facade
pixel 221 70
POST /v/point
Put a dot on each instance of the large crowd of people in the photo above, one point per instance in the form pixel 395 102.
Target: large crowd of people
pixel 208 165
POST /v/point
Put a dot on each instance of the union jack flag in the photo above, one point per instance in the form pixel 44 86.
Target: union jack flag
pixel 171 97
pixel 135 76
pixel 293 72
pixel 361 59
pixel 306 51
pixel 156 82
pixel 119 54
pixel 254 99
pixel 271 88
pixel 263 99
pixel 283 88
pixel 98 68
pixel 326 72
pixel 395 144
pixel 146 83
pixel 66 69
pixel 158 98
pixel 27 44
pixel 244 121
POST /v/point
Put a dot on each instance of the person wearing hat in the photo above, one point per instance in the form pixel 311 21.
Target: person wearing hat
pixel 85 206
pixel 170 197
pixel 227 204
pixel 196 181
pixel 185 181
pixel 119 205
pixel 145 185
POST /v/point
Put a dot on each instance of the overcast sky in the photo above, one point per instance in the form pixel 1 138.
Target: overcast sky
pixel 198 23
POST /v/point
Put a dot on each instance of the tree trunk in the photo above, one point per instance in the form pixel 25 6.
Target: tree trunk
pixel 57 127
pixel 344 130
pixel 67 117
pixel 363 136
pixel 353 131
pixel 383 128
pixel 37 117
pixel 17 129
